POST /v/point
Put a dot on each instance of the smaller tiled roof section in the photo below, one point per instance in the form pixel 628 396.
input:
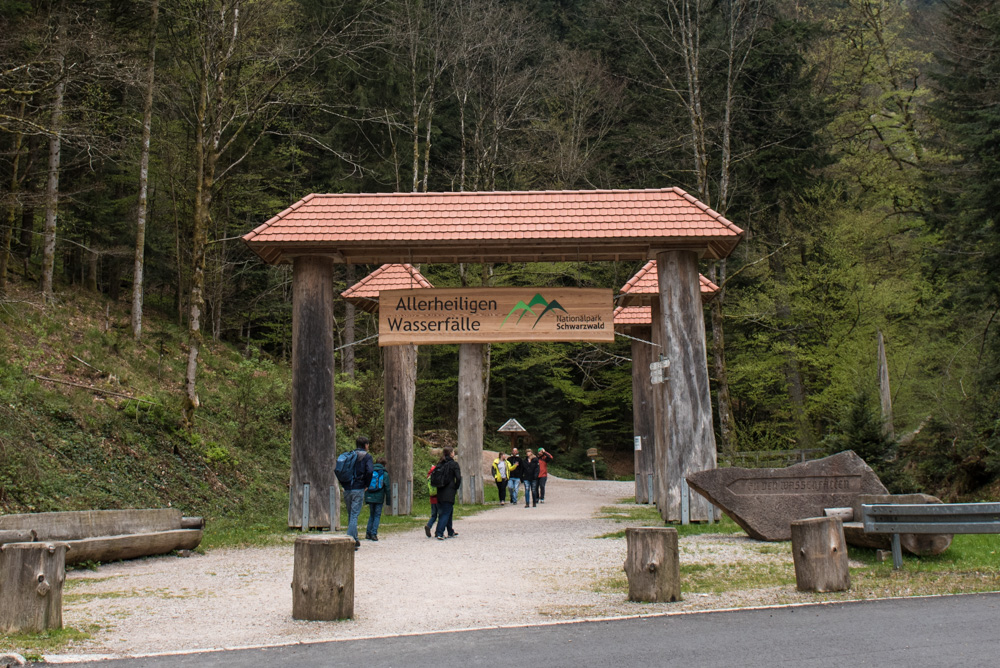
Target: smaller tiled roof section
pixel 645 285
pixel 633 316
pixel 364 293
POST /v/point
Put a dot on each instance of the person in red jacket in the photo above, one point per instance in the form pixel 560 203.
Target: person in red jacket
pixel 543 472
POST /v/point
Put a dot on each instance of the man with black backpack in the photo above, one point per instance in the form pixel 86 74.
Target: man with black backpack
pixel 354 471
pixel 447 478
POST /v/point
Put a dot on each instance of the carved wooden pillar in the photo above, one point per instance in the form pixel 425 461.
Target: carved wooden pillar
pixel 470 421
pixel 400 391
pixel 314 443
pixel 643 420
pixel 690 436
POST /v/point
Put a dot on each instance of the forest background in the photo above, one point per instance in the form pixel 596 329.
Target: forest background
pixel 856 142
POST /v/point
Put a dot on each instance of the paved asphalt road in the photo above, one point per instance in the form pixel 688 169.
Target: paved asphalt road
pixel 943 631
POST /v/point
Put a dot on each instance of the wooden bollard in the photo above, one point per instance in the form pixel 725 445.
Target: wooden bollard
pixel 31 582
pixel 323 578
pixel 820 554
pixel 652 564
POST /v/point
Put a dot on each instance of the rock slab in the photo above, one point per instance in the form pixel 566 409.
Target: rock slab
pixel 765 502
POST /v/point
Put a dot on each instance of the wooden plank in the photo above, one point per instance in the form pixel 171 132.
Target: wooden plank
pixel 485 315
pixel 73 525
pixel 132 546
pixel 313 412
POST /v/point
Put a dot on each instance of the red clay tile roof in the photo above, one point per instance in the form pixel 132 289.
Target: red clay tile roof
pixel 644 286
pixel 494 226
pixel 364 293
pixel 626 316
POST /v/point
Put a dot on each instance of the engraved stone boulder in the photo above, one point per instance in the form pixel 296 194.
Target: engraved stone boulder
pixel 764 502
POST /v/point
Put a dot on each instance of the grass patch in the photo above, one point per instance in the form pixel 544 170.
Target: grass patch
pixel 647 515
pixel 33 645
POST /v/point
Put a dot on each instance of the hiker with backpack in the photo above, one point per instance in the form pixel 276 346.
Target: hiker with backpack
pixel 354 472
pixel 376 496
pixel 447 478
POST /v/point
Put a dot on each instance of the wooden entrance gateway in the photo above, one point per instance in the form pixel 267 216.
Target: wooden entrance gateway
pixel 667 225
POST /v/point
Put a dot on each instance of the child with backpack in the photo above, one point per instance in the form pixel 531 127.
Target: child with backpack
pixel 376 496
pixel 432 494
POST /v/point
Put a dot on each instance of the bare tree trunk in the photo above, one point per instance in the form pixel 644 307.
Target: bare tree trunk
pixel 52 192
pixel 140 225
pixel 717 274
pixel 198 236
pixel 8 232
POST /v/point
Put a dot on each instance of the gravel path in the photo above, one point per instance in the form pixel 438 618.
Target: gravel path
pixel 509 566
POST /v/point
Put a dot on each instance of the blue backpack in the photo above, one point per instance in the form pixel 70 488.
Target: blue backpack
pixel 345 467
pixel 378 481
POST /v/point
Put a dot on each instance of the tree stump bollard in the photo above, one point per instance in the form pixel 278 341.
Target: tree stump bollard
pixel 820 555
pixel 323 578
pixel 653 564
pixel 31 581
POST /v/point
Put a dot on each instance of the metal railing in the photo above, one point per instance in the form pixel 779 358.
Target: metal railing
pixel 928 518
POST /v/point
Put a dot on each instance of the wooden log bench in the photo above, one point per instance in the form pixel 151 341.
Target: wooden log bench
pixel 930 518
pixel 106 535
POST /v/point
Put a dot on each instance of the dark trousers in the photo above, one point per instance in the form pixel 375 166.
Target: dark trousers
pixel 541 487
pixel 502 490
pixel 434 515
pixel 445 511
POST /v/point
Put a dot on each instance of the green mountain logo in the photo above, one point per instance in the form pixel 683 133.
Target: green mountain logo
pixel 537 302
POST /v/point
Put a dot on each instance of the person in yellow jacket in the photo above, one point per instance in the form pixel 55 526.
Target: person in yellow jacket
pixel 501 473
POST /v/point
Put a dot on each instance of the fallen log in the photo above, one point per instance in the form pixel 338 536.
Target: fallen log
pixel 131 546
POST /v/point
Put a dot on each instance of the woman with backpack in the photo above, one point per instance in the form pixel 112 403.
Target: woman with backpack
pixel 376 496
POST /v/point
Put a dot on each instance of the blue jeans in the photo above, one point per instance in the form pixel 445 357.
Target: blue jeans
pixel 434 515
pixel 353 499
pixel 445 511
pixel 530 490
pixel 374 518
pixel 512 486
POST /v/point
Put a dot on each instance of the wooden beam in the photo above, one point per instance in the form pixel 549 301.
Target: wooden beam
pixel 400 364
pixel 471 375
pixel 689 432
pixel 643 419
pixel 314 443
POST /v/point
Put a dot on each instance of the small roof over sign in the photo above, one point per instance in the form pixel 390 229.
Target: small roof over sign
pixel 512 426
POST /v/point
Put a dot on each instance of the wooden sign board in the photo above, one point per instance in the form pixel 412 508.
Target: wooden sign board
pixel 491 315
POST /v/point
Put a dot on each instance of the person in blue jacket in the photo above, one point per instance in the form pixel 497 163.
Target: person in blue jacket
pixel 354 492
pixel 376 496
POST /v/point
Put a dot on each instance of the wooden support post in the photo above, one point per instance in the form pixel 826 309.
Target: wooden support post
pixel 400 392
pixel 661 415
pixel 323 577
pixel 653 564
pixel 820 554
pixel 643 420
pixel 314 444
pixel 31 581
pixel 690 437
pixel 471 376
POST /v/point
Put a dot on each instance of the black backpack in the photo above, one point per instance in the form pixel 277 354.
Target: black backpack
pixel 440 477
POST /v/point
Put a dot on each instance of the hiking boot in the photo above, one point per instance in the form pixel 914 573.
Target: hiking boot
pixel 452 535
pixel 427 530
pixel 374 538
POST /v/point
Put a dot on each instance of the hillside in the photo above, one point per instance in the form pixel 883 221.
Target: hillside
pixel 90 419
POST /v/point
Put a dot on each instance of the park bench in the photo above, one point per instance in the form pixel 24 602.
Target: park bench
pixel 930 518
pixel 106 535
